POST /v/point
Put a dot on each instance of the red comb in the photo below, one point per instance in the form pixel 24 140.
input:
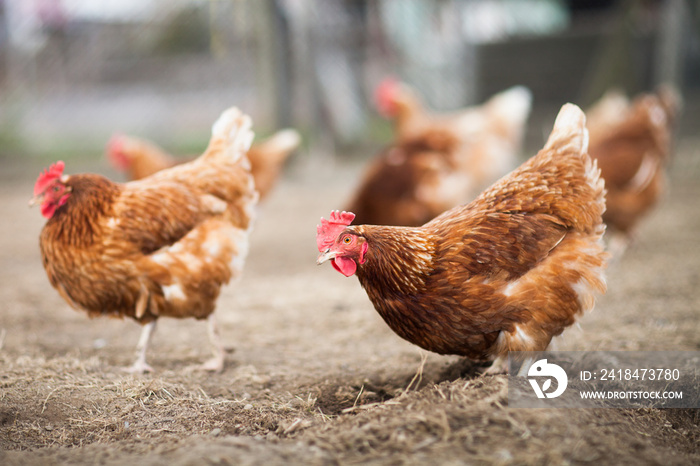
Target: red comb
pixel 115 152
pixel 53 172
pixel 328 230
pixel 384 96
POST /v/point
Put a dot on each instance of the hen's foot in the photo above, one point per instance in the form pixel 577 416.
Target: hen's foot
pixel 139 367
pixel 499 366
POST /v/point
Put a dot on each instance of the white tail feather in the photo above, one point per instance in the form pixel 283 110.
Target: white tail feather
pixel 285 140
pixel 235 127
pixel 514 104
pixel 569 132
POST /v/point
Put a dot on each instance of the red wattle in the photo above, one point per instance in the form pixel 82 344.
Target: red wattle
pixel 344 265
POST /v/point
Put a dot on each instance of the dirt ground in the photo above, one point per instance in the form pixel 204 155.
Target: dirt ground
pixel 313 374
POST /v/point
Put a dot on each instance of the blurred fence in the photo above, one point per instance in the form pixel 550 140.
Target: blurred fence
pixel 74 71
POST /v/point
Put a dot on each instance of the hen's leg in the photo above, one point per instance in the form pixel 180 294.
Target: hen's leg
pixel 499 366
pixel 139 366
pixel 215 364
pixel 525 367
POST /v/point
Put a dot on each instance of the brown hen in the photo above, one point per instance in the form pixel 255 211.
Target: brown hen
pixel 506 272
pixel 162 246
pixel 632 145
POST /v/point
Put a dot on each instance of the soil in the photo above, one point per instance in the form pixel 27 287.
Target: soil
pixel 313 375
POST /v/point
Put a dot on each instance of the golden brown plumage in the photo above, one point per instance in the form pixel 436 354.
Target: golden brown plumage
pixel 438 161
pixel 632 145
pixel 411 183
pixel 139 158
pixel 506 272
pixel 161 246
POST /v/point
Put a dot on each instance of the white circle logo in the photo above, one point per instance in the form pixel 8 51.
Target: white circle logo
pixel 543 369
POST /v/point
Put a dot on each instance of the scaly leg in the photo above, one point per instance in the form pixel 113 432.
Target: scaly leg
pixel 215 364
pixel 499 366
pixel 139 366
pixel 525 366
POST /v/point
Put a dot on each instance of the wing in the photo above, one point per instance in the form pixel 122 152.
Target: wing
pixel 173 248
pixel 149 216
pixel 497 244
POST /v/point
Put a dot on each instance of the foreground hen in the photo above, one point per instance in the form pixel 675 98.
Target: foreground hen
pixel 162 246
pixel 139 158
pixel 506 272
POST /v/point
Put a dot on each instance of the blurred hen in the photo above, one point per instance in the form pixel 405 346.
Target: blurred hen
pixel 632 144
pixel 162 246
pixel 438 161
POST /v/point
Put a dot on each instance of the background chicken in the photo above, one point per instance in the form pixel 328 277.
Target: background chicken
pixel 411 183
pixel 438 161
pixel 267 158
pixel 160 246
pixel 632 144
pixel 506 272
pixel 606 113
pixel 139 158
pixel 503 115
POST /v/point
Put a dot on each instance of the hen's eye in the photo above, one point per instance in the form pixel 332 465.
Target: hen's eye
pixel 56 189
pixel 347 240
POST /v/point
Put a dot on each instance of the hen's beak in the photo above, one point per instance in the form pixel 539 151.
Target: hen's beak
pixel 325 255
pixel 36 200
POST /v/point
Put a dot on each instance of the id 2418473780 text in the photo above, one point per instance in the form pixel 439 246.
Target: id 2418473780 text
pixel 631 374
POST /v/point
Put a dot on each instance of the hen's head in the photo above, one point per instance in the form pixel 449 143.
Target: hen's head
pixel 117 152
pixel 51 190
pixel 343 246
pixel 391 96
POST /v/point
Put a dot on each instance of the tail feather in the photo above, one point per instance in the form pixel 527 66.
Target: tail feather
pixel 223 170
pixel 276 148
pixel 232 131
pixel 561 179
pixel 285 140
pixel 512 105
pixel 671 99
pixel 610 110
pixel 570 135
pixel 569 132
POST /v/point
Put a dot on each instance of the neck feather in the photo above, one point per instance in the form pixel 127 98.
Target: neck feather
pixel 77 221
pixel 398 258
